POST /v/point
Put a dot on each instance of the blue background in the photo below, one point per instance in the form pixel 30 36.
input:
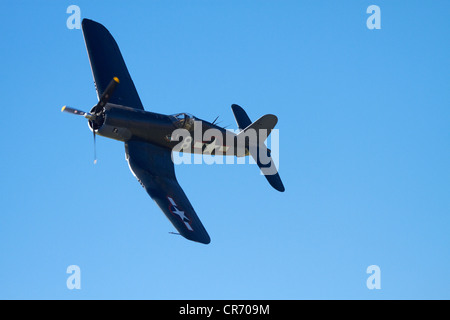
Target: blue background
pixel 364 151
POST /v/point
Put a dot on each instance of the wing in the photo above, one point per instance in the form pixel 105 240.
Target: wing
pixel 106 63
pixel 153 167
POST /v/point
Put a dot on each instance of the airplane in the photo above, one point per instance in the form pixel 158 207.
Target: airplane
pixel 149 137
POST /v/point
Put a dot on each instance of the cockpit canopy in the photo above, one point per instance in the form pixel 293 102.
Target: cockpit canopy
pixel 183 120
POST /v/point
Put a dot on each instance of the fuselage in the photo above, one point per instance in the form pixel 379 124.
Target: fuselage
pixel 180 132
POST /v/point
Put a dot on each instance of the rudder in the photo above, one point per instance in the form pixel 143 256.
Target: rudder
pixel 256 147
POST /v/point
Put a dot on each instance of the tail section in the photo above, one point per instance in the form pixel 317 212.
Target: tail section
pixel 256 133
pixel 241 117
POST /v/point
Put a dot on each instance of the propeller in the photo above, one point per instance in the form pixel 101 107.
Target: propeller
pixel 105 96
pixel 77 112
pixel 96 113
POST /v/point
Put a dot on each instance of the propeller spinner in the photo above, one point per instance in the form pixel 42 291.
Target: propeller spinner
pixel 97 110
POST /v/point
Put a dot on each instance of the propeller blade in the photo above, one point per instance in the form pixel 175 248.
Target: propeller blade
pixel 76 111
pixel 95 148
pixel 96 110
pixel 106 95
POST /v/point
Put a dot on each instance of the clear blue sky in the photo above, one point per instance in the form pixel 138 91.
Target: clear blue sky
pixel 364 132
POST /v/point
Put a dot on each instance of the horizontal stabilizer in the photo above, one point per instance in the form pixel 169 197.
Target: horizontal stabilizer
pixel 260 129
pixel 261 155
pixel 267 123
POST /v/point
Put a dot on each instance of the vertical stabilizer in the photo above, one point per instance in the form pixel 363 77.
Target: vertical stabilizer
pixel 260 130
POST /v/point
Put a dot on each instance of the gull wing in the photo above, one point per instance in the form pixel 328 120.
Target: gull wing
pixel 106 63
pixel 152 165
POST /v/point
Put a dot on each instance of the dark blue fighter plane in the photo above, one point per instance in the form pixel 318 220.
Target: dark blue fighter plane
pixel 149 137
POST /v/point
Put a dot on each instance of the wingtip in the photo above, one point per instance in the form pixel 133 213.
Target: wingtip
pixel 277 184
pixel 85 22
pixel 206 241
pixel 88 24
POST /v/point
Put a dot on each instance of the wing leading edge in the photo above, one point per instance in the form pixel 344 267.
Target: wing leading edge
pixel 153 167
pixel 106 63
